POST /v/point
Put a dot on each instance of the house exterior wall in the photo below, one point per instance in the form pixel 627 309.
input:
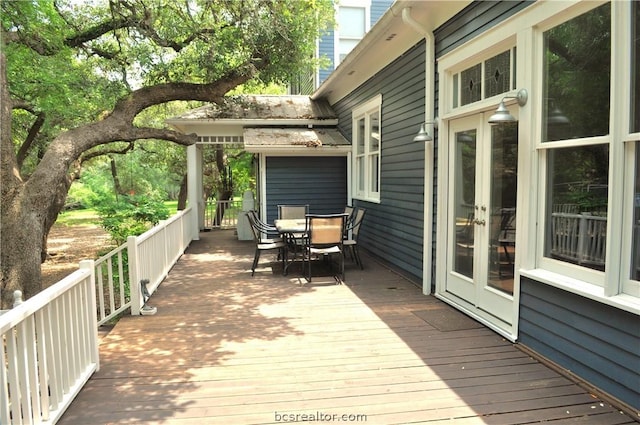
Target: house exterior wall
pixel 597 342
pixel 393 228
pixel 326 45
pixel 295 180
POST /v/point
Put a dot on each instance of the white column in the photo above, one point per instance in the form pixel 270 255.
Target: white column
pixel 194 189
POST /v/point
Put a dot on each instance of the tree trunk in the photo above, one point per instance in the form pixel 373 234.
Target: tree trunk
pixel 182 195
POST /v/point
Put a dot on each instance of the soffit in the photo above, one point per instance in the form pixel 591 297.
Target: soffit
pixel 389 37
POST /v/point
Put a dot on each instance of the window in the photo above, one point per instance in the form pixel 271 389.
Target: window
pixel 366 146
pixel 577 55
pixel 489 78
pixel 590 156
pixel 353 23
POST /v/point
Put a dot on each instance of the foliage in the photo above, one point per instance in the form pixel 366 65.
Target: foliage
pixel 131 216
pixel 80 79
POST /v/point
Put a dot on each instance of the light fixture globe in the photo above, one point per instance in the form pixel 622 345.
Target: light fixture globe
pixel 422 135
pixel 501 115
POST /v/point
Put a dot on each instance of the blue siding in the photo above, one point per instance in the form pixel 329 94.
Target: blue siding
pixel 475 19
pixel 296 180
pixel 393 228
pixel 326 46
pixel 599 343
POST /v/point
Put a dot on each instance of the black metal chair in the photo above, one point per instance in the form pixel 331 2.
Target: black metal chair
pixel 268 233
pixel 264 244
pixel 352 231
pixel 324 238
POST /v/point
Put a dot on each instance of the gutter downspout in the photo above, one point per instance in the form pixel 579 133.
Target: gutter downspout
pixel 427 257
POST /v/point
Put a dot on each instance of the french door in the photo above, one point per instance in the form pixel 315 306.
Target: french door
pixel 482 182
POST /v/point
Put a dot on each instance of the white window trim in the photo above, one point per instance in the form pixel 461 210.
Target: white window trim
pixel 526 30
pixel 365 110
pixel 366 5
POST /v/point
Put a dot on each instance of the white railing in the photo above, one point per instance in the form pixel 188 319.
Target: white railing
pixel 112 280
pixel 152 254
pixel 222 214
pixel 49 350
pixel 579 238
pixel 49 343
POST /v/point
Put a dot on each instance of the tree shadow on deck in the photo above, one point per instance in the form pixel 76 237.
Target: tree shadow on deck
pixel 226 347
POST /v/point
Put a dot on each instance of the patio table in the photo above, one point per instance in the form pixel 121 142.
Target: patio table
pixel 292 231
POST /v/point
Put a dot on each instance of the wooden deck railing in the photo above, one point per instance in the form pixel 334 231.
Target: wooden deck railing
pixel 152 254
pixel 221 214
pixel 49 350
pixel 49 343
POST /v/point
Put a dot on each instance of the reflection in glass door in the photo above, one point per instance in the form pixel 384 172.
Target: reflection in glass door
pixel 465 193
pixel 501 221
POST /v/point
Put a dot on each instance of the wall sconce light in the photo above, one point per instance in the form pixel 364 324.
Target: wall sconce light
pixel 422 135
pixel 502 114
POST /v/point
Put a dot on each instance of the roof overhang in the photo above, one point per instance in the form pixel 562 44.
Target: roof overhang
pixel 388 38
pixel 295 141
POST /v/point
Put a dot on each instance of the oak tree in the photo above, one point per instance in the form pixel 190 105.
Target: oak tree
pixel 74 75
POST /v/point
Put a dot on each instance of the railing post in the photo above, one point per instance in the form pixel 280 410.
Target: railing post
pixel 92 311
pixel 17 298
pixel 134 276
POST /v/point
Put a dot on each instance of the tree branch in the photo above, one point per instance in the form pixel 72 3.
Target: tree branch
pixel 31 137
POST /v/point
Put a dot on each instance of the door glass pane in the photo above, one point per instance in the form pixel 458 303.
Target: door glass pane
pixel 501 221
pixel 577 54
pixel 465 193
pixel 578 187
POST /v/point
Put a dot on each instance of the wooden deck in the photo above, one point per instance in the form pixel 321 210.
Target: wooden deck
pixel 228 348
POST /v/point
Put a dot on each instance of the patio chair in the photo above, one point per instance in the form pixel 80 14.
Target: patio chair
pixel 264 245
pixel 351 239
pixel 293 211
pixel 268 233
pixel 325 238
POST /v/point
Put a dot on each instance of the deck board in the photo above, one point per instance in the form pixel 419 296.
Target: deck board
pixel 226 348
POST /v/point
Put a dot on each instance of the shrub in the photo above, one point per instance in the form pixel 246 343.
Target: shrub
pixel 131 216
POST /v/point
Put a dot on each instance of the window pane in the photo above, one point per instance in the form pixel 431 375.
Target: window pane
pixel 577 57
pixel 351 22
pixel 635 255
pixel 374 183
pixel 374 141
pixel 497 72
pixel 635 71
pixel 360 171
pixel 471 84
pixel 345 47
pixel 361 133
pixel 577 205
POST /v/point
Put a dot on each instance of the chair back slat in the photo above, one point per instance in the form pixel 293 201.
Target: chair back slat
pixel 292 211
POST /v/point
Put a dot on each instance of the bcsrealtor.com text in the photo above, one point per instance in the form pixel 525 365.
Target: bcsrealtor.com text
pixel 319 417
